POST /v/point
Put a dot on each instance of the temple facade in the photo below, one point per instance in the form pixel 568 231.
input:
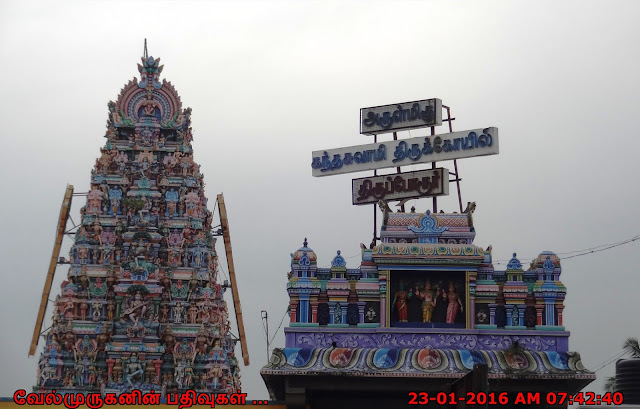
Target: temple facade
pixel 423 307
pixel 141 307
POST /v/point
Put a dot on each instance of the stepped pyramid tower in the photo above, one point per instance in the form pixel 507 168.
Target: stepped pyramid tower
pixel 141 307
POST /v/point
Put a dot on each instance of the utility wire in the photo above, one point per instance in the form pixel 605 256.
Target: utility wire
pixel 588 251
pixel 610 361
pixel 279 326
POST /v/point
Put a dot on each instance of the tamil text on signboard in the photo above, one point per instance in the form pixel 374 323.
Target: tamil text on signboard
pixel 435 148
pixel 399 186
pixel 404 116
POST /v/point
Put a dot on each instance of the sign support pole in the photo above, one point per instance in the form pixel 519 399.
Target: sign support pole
pixel 455 162
pixel 375 212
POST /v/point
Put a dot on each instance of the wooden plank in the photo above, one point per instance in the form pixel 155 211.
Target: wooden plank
pixel 62 224
pixel 224 223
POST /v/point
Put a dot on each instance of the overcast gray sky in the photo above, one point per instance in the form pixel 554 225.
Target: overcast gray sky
pixel 270 82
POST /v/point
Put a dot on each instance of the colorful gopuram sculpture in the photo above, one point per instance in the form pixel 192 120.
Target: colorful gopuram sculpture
pixel 422 308
pixel 141 307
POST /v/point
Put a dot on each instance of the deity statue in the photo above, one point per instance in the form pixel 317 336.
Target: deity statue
pixel 400 302
pixel 94 201
pixel 171 197
pixel 455 304
pixel 178 309
pixel 134 369
pixel 137 308
pixel 179 373
pixel 139 250
pixel 97 310
pixel 169 339
pixel 193 204
pixel 83 310
pixel 193 313
pixel 115 197
pixel 428 301
pixel 164 313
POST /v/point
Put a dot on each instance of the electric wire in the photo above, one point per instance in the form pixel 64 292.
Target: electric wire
pixel 609 361
pixel 585 252
pixel 279 326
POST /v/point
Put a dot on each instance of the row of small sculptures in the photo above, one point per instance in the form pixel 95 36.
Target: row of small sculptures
pixel 131 371
pixel 114 161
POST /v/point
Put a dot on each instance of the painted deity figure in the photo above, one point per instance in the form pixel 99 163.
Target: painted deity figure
pixel 193 204
pixel 97 310
pixel 193 313
pixel 94 201
pixel 115 197
pixel 171 197
pixel 170 161
pixel 428 301
pixel 454 306
pixel 178 310
pixel 400 302
pixel 137 308
pixel 179 373
pixel 121 160
pixel 134 369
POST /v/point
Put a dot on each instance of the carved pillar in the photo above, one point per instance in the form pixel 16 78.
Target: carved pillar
pixel 157 364
pixel 118 305
pixel 110 363
pixel 294 306
pixel 344 307
pixel 361 305
pixel 560 308
pixel 539 309
pixel 492 314
pixel 382 281
pixel 314 311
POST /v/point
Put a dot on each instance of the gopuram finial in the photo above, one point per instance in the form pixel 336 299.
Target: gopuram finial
pixel 145 52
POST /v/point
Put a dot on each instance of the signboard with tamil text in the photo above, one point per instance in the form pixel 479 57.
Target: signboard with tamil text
pixel 399 186
pixel 391 154
pixel 400 117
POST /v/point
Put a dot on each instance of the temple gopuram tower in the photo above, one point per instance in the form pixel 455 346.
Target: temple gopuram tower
pixel 141 307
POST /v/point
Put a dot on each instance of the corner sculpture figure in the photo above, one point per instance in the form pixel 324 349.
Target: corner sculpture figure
pixel 145 230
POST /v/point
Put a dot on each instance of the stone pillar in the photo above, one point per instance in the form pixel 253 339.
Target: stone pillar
pixel 492 314
pixel 560 308
pixel 344 306
pixel 539 309
pixel 156 305
pixel 549 307
pixel 157 364
pixel 521 310
pixel 332 308
pixel 361 305
pixel 110 363
pixel 294 306
pixel 118 305
pixel 382 281
pixel 314 311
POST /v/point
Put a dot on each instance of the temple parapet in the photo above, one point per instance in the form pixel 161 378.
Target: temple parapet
pixel 427 274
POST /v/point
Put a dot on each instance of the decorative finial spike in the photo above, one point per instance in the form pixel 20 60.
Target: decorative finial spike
pixel 146 53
